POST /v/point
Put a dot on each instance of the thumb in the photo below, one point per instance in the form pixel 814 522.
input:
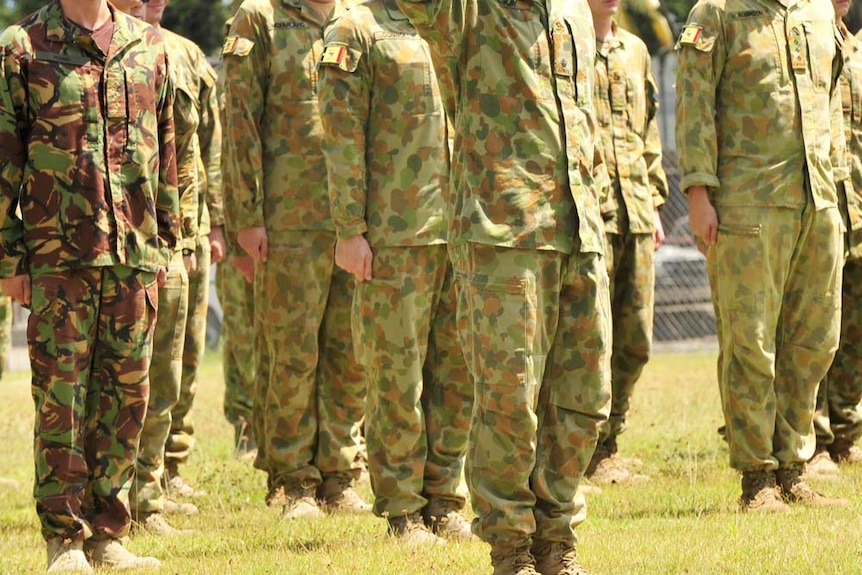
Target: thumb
pixel 263 247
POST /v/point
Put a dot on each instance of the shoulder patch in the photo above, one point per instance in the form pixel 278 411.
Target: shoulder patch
pixel 234 45
pixel 690 35
pixel 333 54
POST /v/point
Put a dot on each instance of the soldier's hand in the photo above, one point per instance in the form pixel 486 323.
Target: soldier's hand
pixel 218 245
pixel 190 262
pixel 161 276
pixel 658 235
pixel 244 265
pixel 254 242
pixel 702 217
pixel 18 288
pixel 354 255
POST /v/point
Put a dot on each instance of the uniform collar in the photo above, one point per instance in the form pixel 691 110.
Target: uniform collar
pixel 58 28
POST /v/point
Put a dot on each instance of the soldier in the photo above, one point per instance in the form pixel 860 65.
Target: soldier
pixel 194 114
pixel 388 165
pixel 196 86
pixel 310 391
pixel 95 180
pixel 765 211
pixel 838 419
pixel 235 287
pixel 527 245
pixel 626 105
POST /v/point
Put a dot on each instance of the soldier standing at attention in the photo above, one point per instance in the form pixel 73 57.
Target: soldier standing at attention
pixel 527 244
pixel 626 106
pixel 388 164
pixel 761 149
pixel 838 420
pixel 195 84
pixel 310 390
pixel 95 180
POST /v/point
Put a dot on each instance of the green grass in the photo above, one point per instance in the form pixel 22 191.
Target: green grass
pixel 684 521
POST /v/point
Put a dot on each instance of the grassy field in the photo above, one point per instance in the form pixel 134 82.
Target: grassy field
pixel 683 521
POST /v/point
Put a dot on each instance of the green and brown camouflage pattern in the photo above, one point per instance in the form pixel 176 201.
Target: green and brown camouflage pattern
pixel 755 112
pixel 839 399
pixel 273 161
pixel 5 332
pixel 386 145
pixel 95 182
pixel 384 129
pixel 523 169
pixel 165 377
pixel 90 335
pixel 626 106
pixel 236 297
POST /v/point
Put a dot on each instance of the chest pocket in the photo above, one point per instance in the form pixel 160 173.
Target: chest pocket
pixel 410 87
pixel 61 91
pixel 820 44
pixel 296 48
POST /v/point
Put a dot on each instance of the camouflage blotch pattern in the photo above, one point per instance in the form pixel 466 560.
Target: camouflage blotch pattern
pixel 386 145
pixel 90 394
pixel 384 129
pixel 626 107
pixel 99 187
pixel 839 399
pixel 525 151
pixel 5 332
pixel 165 375
pixel 237 340
pixel 759 123
pixel 534 321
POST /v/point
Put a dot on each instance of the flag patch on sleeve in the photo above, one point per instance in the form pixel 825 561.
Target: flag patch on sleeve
pixel 333 55
pixel 690 35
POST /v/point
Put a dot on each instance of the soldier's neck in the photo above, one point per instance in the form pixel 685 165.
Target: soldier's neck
pixel 323 8
pixel 89 14
pixel 604 28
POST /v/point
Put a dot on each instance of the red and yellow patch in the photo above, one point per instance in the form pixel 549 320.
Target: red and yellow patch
pixel 333 55
pixel 690 35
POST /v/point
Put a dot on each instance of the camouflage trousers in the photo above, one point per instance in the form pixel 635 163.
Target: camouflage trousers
pixel 181 439
pixel 310 391
pixel 165 376
pixel 5 332
pixel 536 333
pixel 237 339
pixel 630 261
pixel 90 337
pixel 839 400
pixel 419 391
pixel 776 278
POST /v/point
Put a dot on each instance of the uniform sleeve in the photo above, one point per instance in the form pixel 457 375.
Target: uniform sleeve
pixel 167 196
pixel 838 146
pixel 701 63
pixel 210 136
pixel 13 125
pixel 245 57
pixel 652 139
pixel 344 92
pixel 185 144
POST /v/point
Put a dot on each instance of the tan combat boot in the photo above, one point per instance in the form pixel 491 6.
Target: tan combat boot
pixel 300 501
pixel 759 494
pixel 795 490
pixel 821 464
pixel 411 529
pixel 172 507
pixel 157 524
pixel 556 558
pixel 513 560
pixel 276 496
pixel 337 495
pixel 176 486
pixel 444 517
pixel 607 466
pixel 112 554
pixel 845 452
pixel 67 556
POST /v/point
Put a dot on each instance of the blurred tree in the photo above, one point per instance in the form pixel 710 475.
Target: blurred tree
pixel 201 21
pixel 648 20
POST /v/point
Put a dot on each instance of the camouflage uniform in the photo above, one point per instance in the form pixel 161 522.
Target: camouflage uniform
pixel 199 87
pixel 99 215
pixel 195 104
pixel 626 105
pixel 5 332
pixel 527 242
pixel 309 390
pixel 838 422
pixel 755 110
pixel 386 145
